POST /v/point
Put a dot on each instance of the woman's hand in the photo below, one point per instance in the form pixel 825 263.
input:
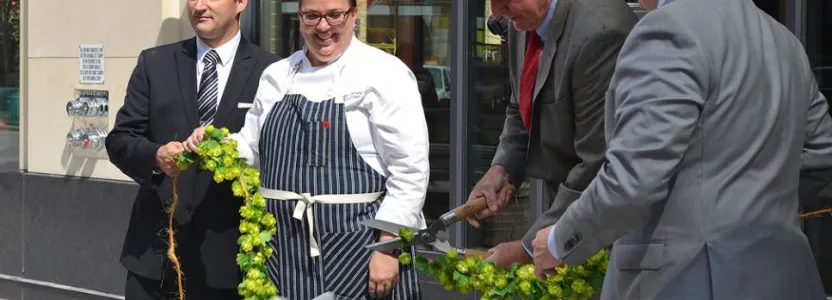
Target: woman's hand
pixel 384 272
pixel 194 140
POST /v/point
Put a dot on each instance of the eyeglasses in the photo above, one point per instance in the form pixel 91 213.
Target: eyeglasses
pixel 333 18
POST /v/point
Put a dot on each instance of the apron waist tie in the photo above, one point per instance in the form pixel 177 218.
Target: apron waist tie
pixel 305 202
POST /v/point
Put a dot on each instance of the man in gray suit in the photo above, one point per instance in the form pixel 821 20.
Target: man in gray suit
pixel 713 118
pixel 562 55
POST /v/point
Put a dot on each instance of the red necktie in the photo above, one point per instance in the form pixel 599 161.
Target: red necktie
pixel 528 77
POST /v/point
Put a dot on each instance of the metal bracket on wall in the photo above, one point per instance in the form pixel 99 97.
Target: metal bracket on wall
pixel 90 112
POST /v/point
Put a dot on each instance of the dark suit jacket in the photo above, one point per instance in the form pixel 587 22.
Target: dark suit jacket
pixel 566 144
pixel 160 107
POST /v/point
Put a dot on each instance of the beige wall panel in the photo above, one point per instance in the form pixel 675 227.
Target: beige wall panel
pixel 49 91
pixel 56 28
pixel 175 26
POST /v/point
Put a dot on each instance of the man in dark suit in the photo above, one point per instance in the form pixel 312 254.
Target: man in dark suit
pixel 175 88
pixel 560 68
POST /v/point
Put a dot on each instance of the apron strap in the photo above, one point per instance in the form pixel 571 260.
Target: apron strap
pixel 305 202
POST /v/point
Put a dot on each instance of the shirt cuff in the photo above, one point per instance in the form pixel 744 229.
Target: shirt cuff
pixel 401 217
pixel 553 249
pixel 531 253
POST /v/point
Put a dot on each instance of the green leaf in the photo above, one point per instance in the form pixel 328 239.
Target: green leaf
pixel 187 157
pixel 512 272
pixel 265 237
pixel 244 260
pixel 216 135
pixel 539 288
pixel 507 290
pixel 423 265
pixel 210 144
pixel 460 278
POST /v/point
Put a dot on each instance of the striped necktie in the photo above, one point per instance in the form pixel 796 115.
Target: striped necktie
pixel 208 89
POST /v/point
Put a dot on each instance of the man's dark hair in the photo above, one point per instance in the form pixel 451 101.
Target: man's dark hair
pixel 353 3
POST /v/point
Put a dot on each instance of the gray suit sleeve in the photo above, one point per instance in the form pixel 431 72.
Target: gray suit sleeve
pixel 816 171
pixel 659 87
pixel 591 76
pixel 511 152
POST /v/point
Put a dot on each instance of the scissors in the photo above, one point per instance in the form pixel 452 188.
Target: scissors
pixel 435 236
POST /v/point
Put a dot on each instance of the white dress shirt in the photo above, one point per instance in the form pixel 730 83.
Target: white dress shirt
pixel 226 53
pixel 383 111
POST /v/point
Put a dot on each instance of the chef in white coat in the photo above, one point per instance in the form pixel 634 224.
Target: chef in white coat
pixel 338 133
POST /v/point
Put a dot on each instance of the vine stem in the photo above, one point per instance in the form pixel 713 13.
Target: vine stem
pixel 172 239
pixel 816 213
pixel 243 185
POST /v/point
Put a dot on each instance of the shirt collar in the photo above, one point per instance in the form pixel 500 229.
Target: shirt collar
pixel 661 2
pixel 543 30
pixel 225 51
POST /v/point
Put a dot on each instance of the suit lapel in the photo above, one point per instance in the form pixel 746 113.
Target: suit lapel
pixel 186 73
pixel 237 79
pixel 551 47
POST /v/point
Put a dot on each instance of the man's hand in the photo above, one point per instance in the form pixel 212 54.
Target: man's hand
pixel 384 272
pixel 491 186
pixel 166 157
pixel 193 141
pixel 505 254
pixel 544 262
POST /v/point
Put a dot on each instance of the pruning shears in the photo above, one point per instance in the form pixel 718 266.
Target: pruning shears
pixel 435 236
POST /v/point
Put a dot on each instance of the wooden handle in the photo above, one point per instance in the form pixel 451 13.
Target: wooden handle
pixel 473 252
pixel 471 208
pixel 477 205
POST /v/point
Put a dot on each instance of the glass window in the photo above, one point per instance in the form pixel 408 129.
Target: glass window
pixel 9 84
pixel 489 94
pixel 436 73
pixel 416 31
pixel 819 50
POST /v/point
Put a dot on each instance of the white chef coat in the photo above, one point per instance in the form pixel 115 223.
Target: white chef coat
pixel 384 114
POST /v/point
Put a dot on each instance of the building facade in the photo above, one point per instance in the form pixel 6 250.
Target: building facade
pixel 64 207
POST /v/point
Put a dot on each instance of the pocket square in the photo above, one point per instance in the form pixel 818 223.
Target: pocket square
pixel 244 105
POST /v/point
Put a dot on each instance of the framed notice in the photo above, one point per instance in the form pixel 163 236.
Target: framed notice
pixel 91 58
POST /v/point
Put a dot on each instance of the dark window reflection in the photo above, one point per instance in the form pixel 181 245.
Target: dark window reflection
pixel 9 84
pixel 489 93
pixel 819 49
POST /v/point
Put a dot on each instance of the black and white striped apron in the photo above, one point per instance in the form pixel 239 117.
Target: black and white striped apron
pixel 319 189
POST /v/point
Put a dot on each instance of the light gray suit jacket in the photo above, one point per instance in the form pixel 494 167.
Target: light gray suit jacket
pixel 713 115
pixel 566 145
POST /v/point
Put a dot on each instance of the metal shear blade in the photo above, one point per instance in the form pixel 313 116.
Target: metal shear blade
pixel 420 237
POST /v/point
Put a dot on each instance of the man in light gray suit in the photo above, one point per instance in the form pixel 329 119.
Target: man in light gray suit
pixel 562 55
pixel 713 115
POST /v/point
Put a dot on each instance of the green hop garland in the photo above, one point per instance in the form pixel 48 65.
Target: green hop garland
pixel 473 272
pixel 257 227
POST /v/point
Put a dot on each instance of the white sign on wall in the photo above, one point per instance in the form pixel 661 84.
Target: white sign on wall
pixel 91 58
